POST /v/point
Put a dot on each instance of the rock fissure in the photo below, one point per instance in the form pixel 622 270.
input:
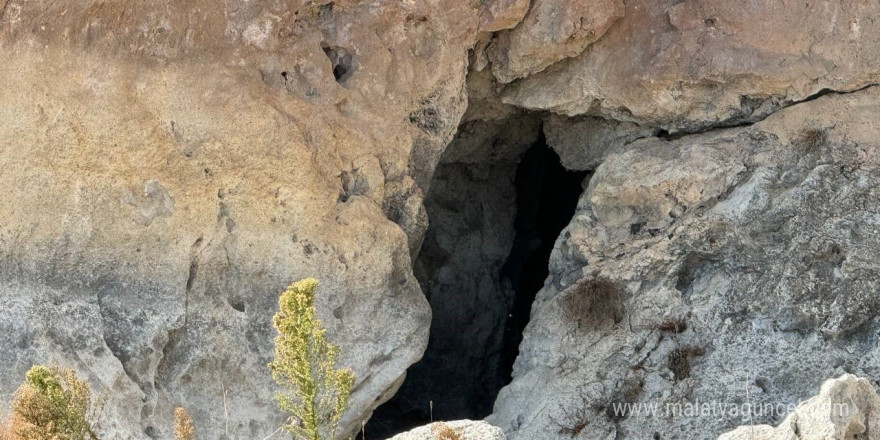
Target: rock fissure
pixel 493 221
pixel 734 123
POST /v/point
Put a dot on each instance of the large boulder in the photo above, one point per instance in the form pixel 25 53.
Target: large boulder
pixel 847 408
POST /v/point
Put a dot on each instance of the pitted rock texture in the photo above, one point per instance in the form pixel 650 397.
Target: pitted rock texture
pixel 705 269
pixel 847 408
pixel 169 167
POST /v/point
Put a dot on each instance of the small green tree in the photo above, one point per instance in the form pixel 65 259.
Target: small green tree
pixel 54 404
pixel 316 392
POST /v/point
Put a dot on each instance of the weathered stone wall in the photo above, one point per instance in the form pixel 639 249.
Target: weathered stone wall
pixel 169 167
pixel 742 263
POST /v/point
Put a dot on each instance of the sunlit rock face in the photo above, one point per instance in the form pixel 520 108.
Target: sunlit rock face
pixel 169 167
pixel 697 64
pixel 846 407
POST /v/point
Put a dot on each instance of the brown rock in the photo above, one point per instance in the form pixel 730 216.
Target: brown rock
pixel 170 166
pixel 502 14
pixel 687 65
pixel 551 31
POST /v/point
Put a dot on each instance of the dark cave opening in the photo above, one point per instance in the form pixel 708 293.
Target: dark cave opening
pixel 547 196
pixel 493 225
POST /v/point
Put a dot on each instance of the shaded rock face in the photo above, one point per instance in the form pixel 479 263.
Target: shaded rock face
pixel 472 205
pixel 704 269
pixel 498 200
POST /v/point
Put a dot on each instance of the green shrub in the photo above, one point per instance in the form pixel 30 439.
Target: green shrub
pixel 54 404
pixel 316 393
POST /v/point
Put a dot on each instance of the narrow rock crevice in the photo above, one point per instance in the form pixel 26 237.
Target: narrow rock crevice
pixel 496 206
pixel 547 196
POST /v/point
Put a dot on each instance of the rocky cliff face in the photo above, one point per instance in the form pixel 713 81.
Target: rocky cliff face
pixel 168 167
pixel 729 256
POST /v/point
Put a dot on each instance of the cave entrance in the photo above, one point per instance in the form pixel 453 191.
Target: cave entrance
pixel 495 212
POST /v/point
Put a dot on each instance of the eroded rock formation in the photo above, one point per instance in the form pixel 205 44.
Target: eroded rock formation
pixel 168 167
pixel 730 255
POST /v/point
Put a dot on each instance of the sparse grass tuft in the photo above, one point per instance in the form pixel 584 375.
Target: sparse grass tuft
pixel 811 140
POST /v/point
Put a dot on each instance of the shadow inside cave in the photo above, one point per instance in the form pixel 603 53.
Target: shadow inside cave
pixel 485 256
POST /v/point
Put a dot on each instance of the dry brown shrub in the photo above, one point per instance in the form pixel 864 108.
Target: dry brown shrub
pixel 673 325
pixel 183 426
pixel 679 360
pixel 811 140
pixel 590 303
pixel 443 431
pixel 53 403
pixel 6 432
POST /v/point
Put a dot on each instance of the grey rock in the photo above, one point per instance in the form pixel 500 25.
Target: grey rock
pixel 583 142
pixel 737 281
pixel 846 408
pixel 170 167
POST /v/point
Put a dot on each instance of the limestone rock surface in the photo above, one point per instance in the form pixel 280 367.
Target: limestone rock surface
pixel 552 30
pixel 169 167
pixel 846 408
pixel 689 65
pixel 734 265
pixel 465 429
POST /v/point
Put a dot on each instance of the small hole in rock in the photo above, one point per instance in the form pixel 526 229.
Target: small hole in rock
pixel 237 305
pixel 341 61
